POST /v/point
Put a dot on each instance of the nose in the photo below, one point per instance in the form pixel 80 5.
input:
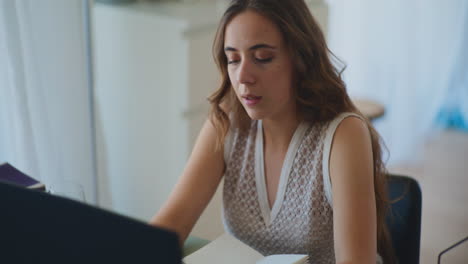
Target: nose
pixel 245 74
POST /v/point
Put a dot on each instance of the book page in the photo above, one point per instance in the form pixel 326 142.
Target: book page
pixel 225 249
pixel 282 259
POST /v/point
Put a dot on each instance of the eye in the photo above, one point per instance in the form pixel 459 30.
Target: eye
pixel 233 61
pixel 266 60
pixel 232 58
pixel 262 56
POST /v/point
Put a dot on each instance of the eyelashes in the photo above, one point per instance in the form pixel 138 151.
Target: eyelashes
pixel 257 60
pixel 267 60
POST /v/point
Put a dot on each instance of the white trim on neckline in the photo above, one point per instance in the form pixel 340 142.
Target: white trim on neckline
pixel 270 214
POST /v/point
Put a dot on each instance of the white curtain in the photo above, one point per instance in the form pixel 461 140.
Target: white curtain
pixel 45 103
pixel 411 56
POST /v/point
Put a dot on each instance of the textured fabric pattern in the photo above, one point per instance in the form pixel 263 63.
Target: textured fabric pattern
pixel 304 224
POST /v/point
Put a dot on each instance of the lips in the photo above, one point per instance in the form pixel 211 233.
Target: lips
pixel 251 100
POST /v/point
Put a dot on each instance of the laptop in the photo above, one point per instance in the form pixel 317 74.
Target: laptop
pixel 37 227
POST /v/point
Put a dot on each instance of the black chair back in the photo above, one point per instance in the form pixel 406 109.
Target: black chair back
pixel 404 220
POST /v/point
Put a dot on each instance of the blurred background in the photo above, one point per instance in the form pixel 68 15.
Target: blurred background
pixel 107 97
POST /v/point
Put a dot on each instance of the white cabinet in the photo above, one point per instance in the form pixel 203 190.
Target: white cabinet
pixel 153 72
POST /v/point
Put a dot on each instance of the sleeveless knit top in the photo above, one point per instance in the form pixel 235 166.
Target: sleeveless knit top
pixel 301 219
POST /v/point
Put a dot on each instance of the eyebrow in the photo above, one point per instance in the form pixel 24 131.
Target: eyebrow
pixel 254 47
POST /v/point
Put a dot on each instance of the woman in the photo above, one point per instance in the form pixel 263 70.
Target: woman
pixel 302 168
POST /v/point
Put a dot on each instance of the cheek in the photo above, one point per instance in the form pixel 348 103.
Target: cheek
pixel 231 76
pixel 232 79
pixel 280 79
pixel 233 83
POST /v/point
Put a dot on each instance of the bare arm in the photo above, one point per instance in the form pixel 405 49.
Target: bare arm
pixel 196 186
pixel 354 208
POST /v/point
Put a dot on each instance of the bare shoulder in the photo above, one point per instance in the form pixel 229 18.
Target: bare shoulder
pixel 205 146
pixel 351 150
pixel 351 128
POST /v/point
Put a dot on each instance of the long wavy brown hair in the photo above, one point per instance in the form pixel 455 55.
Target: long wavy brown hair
pixel 321 93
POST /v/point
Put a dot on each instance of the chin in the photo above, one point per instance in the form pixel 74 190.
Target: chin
pixel 255 115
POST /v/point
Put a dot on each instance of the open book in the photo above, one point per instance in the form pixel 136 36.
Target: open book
pixel 227 249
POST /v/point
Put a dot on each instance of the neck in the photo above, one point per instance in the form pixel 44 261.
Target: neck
pixel 277 133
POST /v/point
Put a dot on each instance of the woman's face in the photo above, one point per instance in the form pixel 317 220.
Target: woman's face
pixel 259 66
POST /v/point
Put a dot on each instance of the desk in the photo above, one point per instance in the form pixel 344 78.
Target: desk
pixel 193 244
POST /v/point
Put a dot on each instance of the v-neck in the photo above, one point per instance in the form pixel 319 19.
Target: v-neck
pixel 269 214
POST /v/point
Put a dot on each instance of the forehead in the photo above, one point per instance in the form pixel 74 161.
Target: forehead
pixel 249 28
